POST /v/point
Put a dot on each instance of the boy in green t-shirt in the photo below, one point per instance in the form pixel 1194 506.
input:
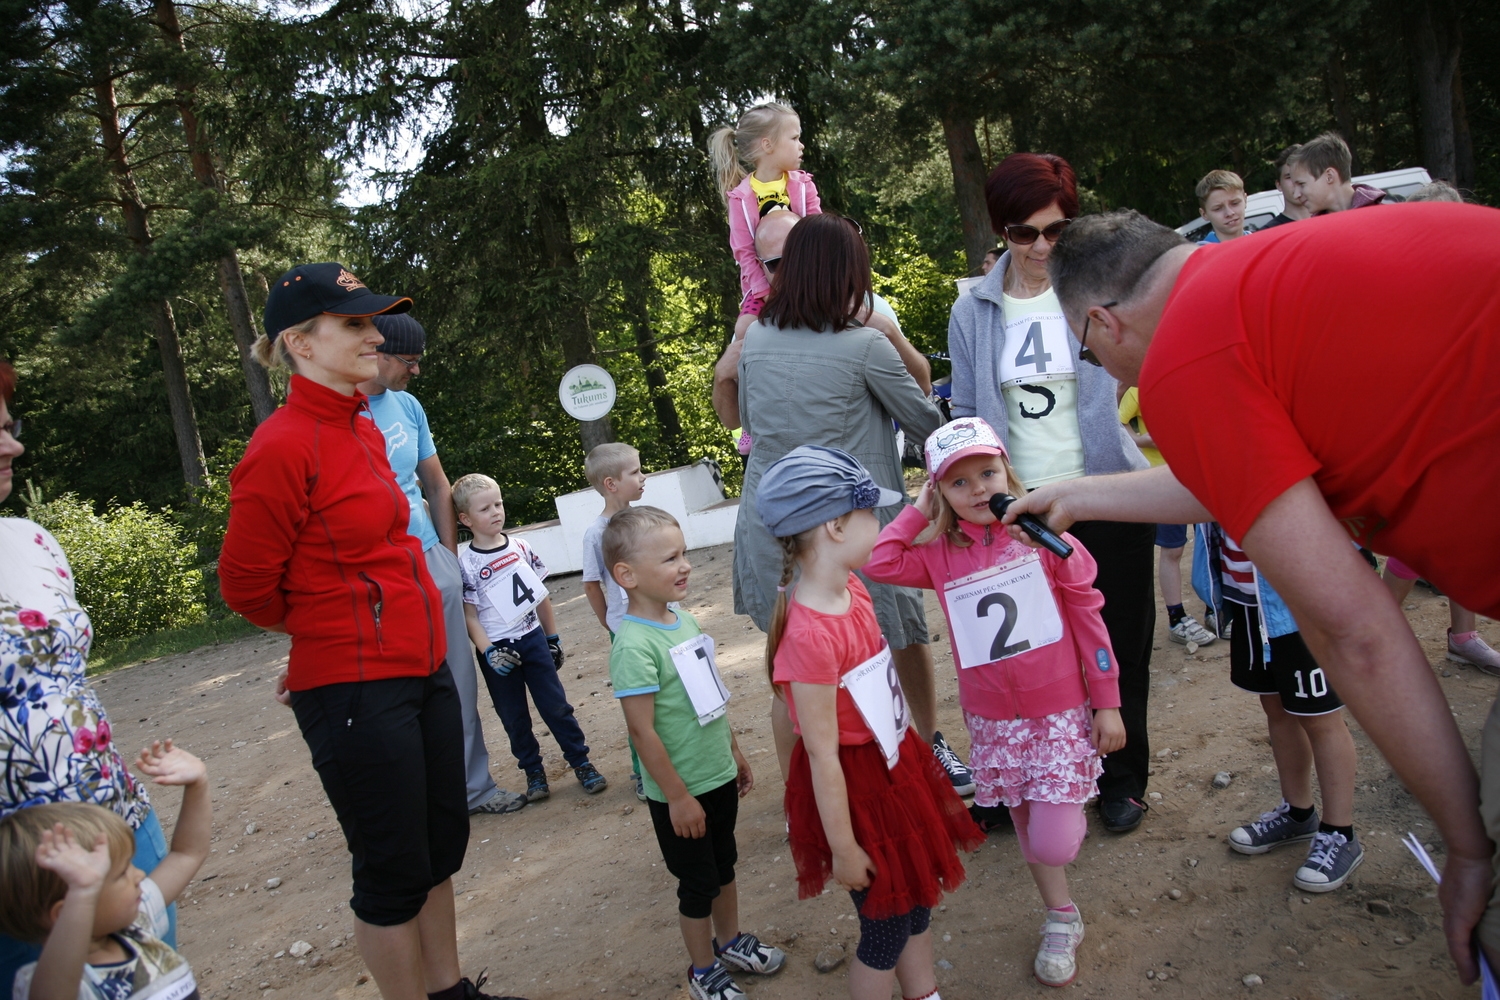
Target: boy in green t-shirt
pixel 663 672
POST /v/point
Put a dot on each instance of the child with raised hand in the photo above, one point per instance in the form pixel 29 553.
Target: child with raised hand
pixel 663 673
pixel 68 882
pixel 1037 678
pixel 866 801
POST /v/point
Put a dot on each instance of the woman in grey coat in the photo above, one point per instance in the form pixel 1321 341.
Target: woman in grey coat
pixel 810 373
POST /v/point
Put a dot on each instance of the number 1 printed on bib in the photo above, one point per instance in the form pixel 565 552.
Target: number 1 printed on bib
pixel 694 660
pixel 998 613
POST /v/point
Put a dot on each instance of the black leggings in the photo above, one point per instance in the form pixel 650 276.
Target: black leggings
pixel 881 942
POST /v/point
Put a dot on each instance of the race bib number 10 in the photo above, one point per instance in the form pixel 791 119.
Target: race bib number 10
pixel 877 694
pixel 1001 612
pixel 512 587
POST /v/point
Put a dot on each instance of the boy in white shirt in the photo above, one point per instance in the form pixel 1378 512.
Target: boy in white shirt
pixel 511 622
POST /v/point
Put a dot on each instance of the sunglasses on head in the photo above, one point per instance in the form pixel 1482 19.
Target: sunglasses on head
pixel 770 263
pixel 1024 236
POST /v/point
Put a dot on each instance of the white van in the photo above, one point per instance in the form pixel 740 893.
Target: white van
pixel 1263 206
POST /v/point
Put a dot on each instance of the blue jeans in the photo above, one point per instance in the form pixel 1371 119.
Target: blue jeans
pixel 535 673
pixel 150 848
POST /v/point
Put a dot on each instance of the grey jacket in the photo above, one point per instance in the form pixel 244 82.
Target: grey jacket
pixel 976 338
pixel 840 390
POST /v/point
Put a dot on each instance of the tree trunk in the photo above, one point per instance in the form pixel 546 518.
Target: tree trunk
pixel 968 186
pixel 231 279
pixel 1338 93
pixel 1436 45
pixel 184 418
pixel 667 421
pixel 1463 138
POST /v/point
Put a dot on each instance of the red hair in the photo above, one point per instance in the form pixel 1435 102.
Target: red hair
pixel 1023 184
pixel 7 382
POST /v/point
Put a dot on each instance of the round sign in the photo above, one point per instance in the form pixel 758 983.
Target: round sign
pixel 587 392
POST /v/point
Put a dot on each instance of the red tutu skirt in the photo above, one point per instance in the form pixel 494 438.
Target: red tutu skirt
pixel 908 820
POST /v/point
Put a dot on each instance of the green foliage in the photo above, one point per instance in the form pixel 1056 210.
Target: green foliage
pixel 134 571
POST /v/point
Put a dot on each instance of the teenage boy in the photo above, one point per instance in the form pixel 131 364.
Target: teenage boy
pixel 1292 207
pixel 1221 200
pixel 663 672
pixel 511 621
pixel 1320 174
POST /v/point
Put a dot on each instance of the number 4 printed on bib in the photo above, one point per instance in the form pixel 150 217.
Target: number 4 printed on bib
pixel 512 587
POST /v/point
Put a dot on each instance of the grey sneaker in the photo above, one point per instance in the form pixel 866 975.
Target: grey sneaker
pixel 715 984
pixel 501 802
pixel 960 775
pixel 1057 959
pixel 1329 864
pixel 1188 630
pixel 747 954
pixel 1273 829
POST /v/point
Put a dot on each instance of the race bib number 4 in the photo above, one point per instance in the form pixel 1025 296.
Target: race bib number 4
pixel 877 694
pixel 1036 349
pixel 511 587
pixel 1000 612
pixel 694 660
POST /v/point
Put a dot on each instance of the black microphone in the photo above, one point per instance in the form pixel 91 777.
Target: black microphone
pixel 1032 525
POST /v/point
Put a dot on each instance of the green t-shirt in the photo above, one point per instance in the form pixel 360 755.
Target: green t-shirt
pixel 640 663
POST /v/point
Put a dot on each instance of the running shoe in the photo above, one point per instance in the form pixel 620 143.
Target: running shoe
pixel 1476 653
pixel 1188 630
pixel 640 786
pixel 1057 958
pixel 501 802
pixel 958 773
pixel 1273 829
pixel 1329 864
pixel 747 954
pixel 589 777
pixel 536 785
pixel 715 984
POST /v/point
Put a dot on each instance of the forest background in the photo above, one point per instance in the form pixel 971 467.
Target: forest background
pixel 533 175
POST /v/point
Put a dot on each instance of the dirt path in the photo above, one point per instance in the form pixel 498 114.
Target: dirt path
pixel 568 899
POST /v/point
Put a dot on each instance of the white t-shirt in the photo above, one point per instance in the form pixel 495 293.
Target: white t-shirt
pixel 1040 386
pixel 151 970
pixel 494 584
pixel 615 598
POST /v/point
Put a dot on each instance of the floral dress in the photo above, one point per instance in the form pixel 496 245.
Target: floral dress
pixel 55 741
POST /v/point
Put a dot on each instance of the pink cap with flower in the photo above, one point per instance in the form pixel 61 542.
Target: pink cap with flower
pixel 963 437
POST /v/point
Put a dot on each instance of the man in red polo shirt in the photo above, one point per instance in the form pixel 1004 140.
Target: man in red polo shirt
pixel 1331 380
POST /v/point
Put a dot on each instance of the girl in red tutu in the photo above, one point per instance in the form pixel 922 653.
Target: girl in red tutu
pixel 1036 672
pixel 866 801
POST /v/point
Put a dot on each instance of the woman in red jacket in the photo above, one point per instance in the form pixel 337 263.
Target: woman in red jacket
pixel 317 547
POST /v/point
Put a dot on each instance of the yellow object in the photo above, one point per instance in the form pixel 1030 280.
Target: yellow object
pixel 1130 416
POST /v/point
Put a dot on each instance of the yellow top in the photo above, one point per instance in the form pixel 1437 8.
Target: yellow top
pixel 1130 416
pixel 769 193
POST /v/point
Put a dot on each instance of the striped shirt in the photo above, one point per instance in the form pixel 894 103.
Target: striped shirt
pixel 1237 574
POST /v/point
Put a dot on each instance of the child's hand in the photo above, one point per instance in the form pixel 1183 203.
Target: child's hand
pixel 83 871
pixel 1109 730
pixel 926 505
pixel 501 659
pixel 170 765
pixel 743 779
pixel 853 868
pixel 281 693
pixel 688 819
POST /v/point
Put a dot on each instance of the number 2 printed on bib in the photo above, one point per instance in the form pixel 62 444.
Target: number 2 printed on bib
pixel 512 587
pixel 877 694
pixel 1001 612
pixel 1036 350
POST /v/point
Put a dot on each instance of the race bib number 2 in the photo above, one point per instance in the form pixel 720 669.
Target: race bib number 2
pixel 1002 612
pixel 512 587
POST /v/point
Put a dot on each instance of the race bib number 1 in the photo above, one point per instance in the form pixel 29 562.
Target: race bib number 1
pixel 1001 612
pixel 694 660
pixel 513 588
pixel 877 694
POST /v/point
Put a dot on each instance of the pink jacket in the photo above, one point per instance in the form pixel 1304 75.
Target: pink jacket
pixel 744 218
pixel 1029 685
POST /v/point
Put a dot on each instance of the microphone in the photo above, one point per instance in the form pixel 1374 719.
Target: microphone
pixel 1032 525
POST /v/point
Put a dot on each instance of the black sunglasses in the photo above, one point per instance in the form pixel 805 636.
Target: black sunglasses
pixel 770 263
pixel 13 428
pixel 1084 354
pixel 1024 236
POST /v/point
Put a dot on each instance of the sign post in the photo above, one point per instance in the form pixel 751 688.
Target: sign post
pixel 586 392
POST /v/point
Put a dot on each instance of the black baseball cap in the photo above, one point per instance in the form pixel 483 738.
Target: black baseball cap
pixel 309 289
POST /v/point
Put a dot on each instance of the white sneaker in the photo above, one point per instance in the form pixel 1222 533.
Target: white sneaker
pixel 1057 959
pixel 1476 653
pixel 1187 630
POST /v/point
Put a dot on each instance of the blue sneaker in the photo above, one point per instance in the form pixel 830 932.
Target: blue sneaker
pixel 1273 829
pixel 536 785
pixel 1329 864
pixel 589 777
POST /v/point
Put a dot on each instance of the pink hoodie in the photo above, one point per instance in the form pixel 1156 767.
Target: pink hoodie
pixel 1029 685
pixel 744 219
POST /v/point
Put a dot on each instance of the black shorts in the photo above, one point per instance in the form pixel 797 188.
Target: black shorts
pixel 701 866
pixel 390 755
pixel 1292 673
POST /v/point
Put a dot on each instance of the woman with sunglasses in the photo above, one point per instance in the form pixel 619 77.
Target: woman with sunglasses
pixel 1017 364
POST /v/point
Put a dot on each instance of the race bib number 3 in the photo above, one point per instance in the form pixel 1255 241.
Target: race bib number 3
pixel 694 660
pixel 511 587
pixel 999 613
pixel 877 694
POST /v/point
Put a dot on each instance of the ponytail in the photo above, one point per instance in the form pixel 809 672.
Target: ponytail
pixel 730 149
pixel 789 549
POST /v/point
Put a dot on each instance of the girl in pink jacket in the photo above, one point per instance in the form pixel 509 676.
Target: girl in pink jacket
pixel 1036 672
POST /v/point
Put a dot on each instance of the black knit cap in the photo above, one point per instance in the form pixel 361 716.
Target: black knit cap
pixel 310 289
pixel 403 335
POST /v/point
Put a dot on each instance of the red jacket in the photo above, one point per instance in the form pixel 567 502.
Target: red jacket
pixel 317 542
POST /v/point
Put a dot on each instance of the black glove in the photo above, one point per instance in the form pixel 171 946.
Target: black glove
pixel 501 659
pixel 554 646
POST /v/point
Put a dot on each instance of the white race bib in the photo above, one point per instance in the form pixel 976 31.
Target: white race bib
pixel 997 613
pixel 1036 349
pixel 877 694
pixel 694 660
pixel 511 587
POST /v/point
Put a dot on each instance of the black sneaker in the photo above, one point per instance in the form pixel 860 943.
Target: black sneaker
pixel 991 818
pixel 589 777
pixel 536 785
pixel 958 773
pixel 471 989
pixel 1121 815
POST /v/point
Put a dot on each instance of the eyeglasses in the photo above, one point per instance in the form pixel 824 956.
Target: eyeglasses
pixel 1024 236
pixel 1084 354
pixel 411 365
pixel 13 428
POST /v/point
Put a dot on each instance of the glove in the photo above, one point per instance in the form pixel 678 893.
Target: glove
pixel 501 659
pixel 554 646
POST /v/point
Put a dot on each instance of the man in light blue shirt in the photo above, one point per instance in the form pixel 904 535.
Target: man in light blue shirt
pixel 414 459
